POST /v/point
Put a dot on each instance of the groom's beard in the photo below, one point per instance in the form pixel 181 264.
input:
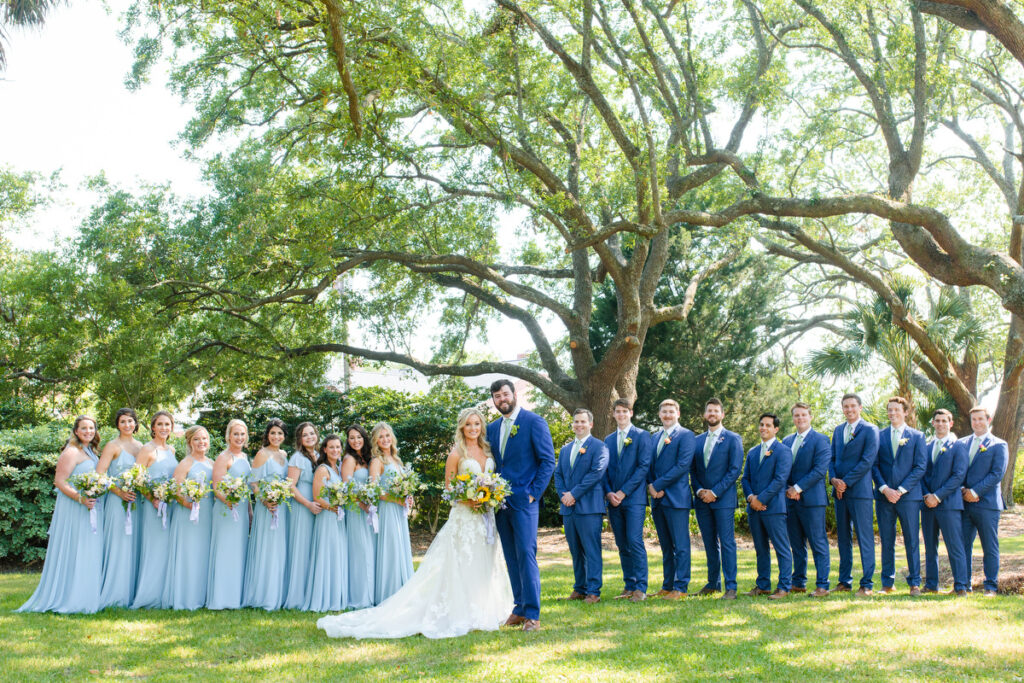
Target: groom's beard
pixel 506 408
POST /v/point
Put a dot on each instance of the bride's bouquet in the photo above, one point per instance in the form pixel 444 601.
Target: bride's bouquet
pixel 234 490
pixel 405 484
pixel 194 490
pixel 487 490
pixel 337 494
pixel 368 493
pixel 275 492
pixel 136 480
pixel 91 485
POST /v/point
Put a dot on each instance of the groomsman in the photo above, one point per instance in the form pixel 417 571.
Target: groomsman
pixel 807 500
pixel 670 499
pixel 625 480
pixel 764 483
pixel 902 457
pixel 983 499
pixel 944 505
pixel 578 475
pixel 718 458
pixel 854 451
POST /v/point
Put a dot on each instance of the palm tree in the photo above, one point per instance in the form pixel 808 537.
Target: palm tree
pixel 22 13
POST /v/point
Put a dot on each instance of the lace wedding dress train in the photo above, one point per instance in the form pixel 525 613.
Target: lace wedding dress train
pixel 460 586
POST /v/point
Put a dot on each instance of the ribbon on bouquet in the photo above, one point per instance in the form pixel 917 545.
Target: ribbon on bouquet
pixel 92 520
pixel 408 506
pixel 128 519
pixel 273 520
pixel 194 515
pixel 161 512
pixel 489 526
pixel 341 514
pixel 372 512
pixel 234 512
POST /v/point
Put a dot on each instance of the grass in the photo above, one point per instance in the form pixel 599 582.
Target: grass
pixel 894 637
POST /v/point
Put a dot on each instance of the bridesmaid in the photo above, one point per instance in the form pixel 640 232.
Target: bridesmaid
pixel 362 542
pixel 188 563
pixel 394 552
pixel 328 550
pixel 304 509
pixel 267 554
pixel 120 524
pixel 154 538
pixel 74 553
pixel 230 535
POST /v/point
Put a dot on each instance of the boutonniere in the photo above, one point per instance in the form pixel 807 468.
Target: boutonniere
pixel 983 447
pixel 942 449
pixel 721 439
pixel 767 454
pixel 853 433
pixel 583 449
pixel 627 441
pixel 512 432
pixel 668 440
pixel 903 441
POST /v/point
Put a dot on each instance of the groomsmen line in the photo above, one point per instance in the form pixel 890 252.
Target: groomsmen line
pixel 944 484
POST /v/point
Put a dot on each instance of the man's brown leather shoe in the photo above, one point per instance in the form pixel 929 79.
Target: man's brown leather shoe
pixel 930 590
pixel 728 595
pixel 797 589
pixel 531 625
pixel 843 588
pixel 624 594
pixel 661 593
pixel 707 590
pixel 674 595
pixel 990 593
pixel 591 599
pixel 755 591
pixel 778 595
pixel 638 596
pixel 915 591
pixel 864 592
pixel 514 620
pixel 818 593
pixel 575 595
pixel 887 589
pixel 962 593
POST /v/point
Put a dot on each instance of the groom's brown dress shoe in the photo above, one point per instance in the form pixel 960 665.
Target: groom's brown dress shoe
pixel 514 620
pixel 638 596
pixel 818 593
pixel 591 599
pixel 798 589
pixel 755 591
pixel 778 595
pixel 674 595
pixel 575 595
pixel 531 625
pixel 662 593
pixel 623 595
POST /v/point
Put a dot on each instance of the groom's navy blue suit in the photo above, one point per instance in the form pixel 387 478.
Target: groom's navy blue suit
pixel 527 464
pixel 582 520
pixel 627 472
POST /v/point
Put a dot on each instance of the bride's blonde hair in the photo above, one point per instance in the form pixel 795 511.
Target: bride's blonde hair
pixel 460 438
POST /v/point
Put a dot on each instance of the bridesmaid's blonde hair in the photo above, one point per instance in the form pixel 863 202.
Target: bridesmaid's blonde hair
pixel 460 438
pixel 375 451
pixel 190 434
pixel 227 432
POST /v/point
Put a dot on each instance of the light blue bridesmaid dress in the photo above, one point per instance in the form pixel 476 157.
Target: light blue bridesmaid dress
pixel 155 540
pixel 228 547
pixel 119 549
pixel 394 552
pixel 188 563
pixel 328 564
pixel 266 562
pixel 74 556
pixel 362 551
pixel 300 533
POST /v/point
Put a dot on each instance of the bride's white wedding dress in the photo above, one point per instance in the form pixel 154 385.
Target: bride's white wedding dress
pixel 460 586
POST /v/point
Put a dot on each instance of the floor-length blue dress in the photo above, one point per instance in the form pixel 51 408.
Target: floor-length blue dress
pixel 155 538
pixel 72 569
pixel 120 557
pixel 300 533
pixel 362 551
pixel 189 559
pixel 328 563
pixel 266 562
pixel 394 552
pixel 228 547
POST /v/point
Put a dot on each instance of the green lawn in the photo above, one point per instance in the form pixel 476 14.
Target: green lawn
pixel 932 638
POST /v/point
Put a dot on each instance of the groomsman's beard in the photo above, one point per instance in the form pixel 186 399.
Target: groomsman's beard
pixel 511 408
pixel 712 425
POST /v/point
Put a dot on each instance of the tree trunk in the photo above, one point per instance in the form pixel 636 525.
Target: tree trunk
pixel 1007 422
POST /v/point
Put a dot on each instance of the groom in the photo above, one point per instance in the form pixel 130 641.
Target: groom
pixel 525 456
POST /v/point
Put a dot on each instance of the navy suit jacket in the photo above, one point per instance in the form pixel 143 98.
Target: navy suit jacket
pixel 584 480
pixel 721 474
pixel 905 468
pixel 985 474
pixel 627 471
pixel 852 462
pixel 809 468
pixel 671 468
pixel 529 457
pixel 945 476
pixel 766 477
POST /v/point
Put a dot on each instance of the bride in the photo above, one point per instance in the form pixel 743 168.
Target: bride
pixel 462 583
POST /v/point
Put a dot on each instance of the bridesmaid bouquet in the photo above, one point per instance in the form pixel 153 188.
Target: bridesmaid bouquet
pixel 161 490
pixel 405 485
pixel 195 491
pixel 275 492
pixel 234 490
pixel 136 479
pixel 91 485
pixel 368 493
pixel 337 494
pixel 488 490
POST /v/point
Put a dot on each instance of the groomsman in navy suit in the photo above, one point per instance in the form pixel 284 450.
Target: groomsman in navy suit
pixel 625 480
pixel 525 457
pixel 670 499
pixel 578 482
pixel 983 499
pixel 901 462
pixel 854 451
pixel 764 484
pixel 944 505
pixel 806 500
pixel 717 460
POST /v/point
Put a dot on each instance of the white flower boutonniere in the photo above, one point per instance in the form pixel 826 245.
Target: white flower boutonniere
pixel 903 441
pixel 627 441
